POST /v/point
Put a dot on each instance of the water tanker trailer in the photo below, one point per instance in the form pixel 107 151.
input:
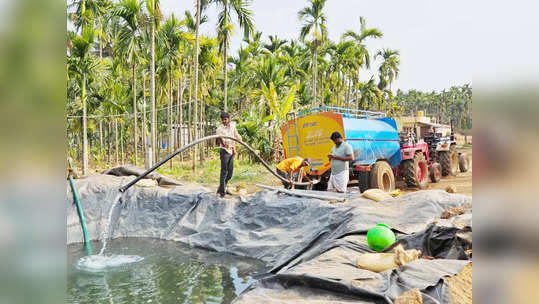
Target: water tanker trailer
pixel 373 137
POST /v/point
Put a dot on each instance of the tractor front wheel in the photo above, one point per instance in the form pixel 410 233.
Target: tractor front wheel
pixel 464 162
pixel 435 172
pixel 382 176
pixel 415 171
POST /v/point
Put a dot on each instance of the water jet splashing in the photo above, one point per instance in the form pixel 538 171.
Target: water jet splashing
pixel 108 225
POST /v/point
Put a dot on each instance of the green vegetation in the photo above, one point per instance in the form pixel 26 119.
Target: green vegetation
pixel 208 172
pixel 136 75
pixel 453 105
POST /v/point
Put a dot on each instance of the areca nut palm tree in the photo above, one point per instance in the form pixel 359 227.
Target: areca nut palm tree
pixel 154 12
pixel 314 20
pixel 128 45
pixel 171 37
pixel 225 30
pixel 389 69
pixel 197 30
pixel 360 38
pixel 82 63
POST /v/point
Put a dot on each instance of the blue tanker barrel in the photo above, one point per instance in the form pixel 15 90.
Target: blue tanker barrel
pixel 373 139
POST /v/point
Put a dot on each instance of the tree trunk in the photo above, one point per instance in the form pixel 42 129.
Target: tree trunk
pixel 135 111
pixel 116 142
pixel 357 90
pixel 109 142
pixel 190 110
pixel 84 128
pixel 122 154
pixel 202 133
pixel 314 76
pixel 225 59
pixel 144 125
pixel 180 117
pixel 101 137
pixel 178 111
pixel 169 115
pixel 152 94
pixel 338 89
pixel 196 78
pixel 348 89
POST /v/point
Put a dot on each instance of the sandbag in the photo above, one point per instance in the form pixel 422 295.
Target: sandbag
pixel 377 195
pixel 379 262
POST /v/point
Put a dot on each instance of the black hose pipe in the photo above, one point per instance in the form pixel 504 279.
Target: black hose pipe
pixel 196 142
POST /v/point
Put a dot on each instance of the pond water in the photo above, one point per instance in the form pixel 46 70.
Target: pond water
pixel 142 270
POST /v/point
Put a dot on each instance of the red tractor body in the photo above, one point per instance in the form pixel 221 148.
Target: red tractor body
pixel 416 165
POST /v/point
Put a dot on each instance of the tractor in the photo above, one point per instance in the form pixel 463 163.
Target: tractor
pixel 416 166
pixel 443 149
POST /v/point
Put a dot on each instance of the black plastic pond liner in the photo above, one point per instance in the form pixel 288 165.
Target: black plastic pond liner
pixel 439 242
pixel 310 246
pixel 136 171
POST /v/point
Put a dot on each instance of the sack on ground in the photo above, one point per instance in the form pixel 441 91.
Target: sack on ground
pixel 377 195
pixel 379 262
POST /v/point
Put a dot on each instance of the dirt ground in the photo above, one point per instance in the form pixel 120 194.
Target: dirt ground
pixel 462 182
pixel 460 286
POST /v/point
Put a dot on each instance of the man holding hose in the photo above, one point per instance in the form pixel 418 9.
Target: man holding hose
pixel 227 151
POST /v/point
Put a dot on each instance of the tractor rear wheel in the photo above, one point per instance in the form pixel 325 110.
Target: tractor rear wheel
pixel 363 180
pixel 435 172
pixel 449 161
pixel 382 176
pixel 415 171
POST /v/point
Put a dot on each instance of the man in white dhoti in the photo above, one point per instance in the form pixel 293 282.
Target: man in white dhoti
pixel 340 155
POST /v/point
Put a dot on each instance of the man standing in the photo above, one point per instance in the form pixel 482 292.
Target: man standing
pixel 227 151
pixel 340 155
pixel 290 166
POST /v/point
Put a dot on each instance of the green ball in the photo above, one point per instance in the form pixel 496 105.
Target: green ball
pixel 380 237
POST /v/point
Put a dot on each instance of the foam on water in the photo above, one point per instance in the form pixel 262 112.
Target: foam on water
pixel 100 263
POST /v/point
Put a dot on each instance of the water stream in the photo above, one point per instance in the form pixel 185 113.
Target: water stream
pixel 107 233
pixel 101 262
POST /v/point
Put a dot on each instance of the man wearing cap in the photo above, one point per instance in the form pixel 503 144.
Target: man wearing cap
pixel 227 150
pixel 340 155
pixel 290 166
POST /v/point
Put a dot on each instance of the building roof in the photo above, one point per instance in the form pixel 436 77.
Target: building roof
pixel 434 125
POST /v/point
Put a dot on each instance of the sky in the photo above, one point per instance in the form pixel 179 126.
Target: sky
pixel 434 37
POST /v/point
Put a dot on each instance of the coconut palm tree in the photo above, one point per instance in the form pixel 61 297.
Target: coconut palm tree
pixel 225 29
pixel 128 47
pixel 389 69
pixel 314 20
